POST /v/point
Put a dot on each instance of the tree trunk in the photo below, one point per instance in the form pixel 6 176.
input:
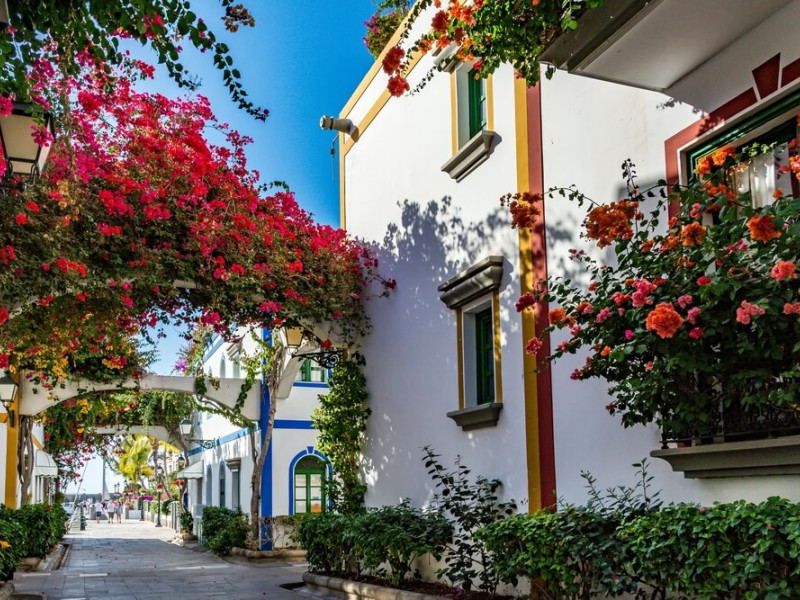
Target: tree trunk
pixel 25 456
pixel 271 378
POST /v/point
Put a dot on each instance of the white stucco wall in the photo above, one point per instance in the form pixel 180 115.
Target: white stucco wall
pixel 290 437
pixel 609 123
pixel 426 228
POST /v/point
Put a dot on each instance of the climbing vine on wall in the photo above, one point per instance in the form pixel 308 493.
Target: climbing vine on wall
pixel 341 419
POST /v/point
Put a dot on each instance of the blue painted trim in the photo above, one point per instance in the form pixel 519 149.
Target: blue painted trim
pixel 214 347
pixel 293 424
pixel 309 451
pixel 279 424
pixel 310 384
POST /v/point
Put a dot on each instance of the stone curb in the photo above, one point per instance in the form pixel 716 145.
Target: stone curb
pixel 268 553
pixel 6 589
pixel 345 588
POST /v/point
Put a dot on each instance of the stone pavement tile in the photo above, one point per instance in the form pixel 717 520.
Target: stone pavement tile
pixel 135 561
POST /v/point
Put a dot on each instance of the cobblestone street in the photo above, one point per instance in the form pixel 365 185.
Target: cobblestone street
pixel 134 560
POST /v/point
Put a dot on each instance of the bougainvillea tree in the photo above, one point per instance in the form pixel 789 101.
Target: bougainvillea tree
pixel 71 427
pixel 686 320
pixel 73 28
pixel 488 33
pixel 138 219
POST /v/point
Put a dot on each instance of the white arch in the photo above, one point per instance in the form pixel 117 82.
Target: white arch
pixel 33 398
pixel 158 432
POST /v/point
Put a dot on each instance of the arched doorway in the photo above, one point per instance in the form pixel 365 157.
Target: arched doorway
pixel 309 485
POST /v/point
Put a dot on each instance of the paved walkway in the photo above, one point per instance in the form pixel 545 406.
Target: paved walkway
pixel 135 560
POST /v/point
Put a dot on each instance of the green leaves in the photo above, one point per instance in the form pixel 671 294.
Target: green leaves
pixel 735 550
pixel 96 26
pixel 341 420
pixel 223 529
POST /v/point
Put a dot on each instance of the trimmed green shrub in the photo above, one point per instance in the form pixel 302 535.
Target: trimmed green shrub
pixel 10 547
pixel 684 551
pixel 187 522
pixel 323 537
pixel 736 550
pixel 42 527
pixel 396 535
pixel 224 529
pixel 392 535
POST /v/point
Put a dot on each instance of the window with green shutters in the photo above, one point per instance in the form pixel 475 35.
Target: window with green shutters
pixel 309 486
pixel 477 103
pixel 311 372
pixel 484 353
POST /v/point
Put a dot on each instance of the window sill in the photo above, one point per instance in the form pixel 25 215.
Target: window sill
pixel 470 156
pixel 775 456
pixel 477 417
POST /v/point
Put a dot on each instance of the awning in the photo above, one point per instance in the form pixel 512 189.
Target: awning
pixel 44 466
pixel 194 471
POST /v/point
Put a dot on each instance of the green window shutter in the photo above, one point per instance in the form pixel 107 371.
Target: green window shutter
pixel 477 103
pixel 305 371
pixel 484 354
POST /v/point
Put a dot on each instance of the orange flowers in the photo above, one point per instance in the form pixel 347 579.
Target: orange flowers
pixel 522 209
pixel 664 320
pixel 762 229
pixel 611 222
pixel 784 269
pixel 693 234
pixel 557 316
pixel 719 157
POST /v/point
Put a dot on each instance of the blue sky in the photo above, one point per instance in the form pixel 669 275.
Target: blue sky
pixel 302 60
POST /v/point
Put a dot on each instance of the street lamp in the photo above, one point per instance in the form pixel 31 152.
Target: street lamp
pixel 24 155
pixel 116 489
pixel 8 391
pixel 159 472
pixel 325 358
pixel 186 430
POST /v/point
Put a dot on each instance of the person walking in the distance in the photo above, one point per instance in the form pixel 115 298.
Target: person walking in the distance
pixel 98 510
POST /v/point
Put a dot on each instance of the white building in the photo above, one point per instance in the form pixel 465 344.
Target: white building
pixel 421 176
pixel 220 473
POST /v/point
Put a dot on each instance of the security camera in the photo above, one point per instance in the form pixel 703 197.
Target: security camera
pixel 342 125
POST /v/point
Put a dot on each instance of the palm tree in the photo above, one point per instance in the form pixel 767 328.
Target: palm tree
pixel 132 462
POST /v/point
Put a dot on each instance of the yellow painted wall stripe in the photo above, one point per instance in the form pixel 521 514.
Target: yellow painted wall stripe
pixel 498 349
pixel 12 437
pixel 454 109
pixel 490 103
pixel 342 205
pixel 528 323
pixel 460 355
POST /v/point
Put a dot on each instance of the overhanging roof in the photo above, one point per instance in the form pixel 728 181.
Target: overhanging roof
pixel 653 44
pixel 193 471
pixel 44 465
